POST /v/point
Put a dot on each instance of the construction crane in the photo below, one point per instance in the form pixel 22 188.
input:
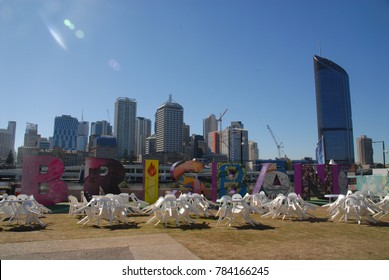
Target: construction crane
pixel 220 119
pixel 279 145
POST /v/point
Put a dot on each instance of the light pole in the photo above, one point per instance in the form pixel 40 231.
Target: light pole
pixel 383 150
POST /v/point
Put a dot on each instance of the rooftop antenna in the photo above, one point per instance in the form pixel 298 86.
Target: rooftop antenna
pixel 109 119
pixel 82 115
pixel 320 48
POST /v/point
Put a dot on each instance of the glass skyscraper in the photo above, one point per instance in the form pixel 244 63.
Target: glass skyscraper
pixel 333 107
pixel 125 120
pixel 65 132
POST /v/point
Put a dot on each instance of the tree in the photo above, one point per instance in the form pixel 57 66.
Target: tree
pixel 10 159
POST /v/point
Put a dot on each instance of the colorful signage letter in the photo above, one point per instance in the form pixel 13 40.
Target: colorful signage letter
pixel 105 173
pixel 41 177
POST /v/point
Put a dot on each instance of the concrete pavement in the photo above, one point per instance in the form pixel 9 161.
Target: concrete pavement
pixel 140 247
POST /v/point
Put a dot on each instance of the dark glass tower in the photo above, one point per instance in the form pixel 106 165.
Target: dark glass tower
pixel 333 107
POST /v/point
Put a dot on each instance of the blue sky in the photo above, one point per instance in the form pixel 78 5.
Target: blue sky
pixel 254 58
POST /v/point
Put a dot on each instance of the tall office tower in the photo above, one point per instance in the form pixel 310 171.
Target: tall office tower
pixel 12 129
pixel 143 130
pixel 101 128
pixel 198 146
pixel 65 132
pixel 31 136
pixel 365 150
pixel 125 121
pixel 82 136
pixel 234 142
pixel 186 134
pixel 43 143
pixel 151 144
pixel 253 151
pixel 5 143
pixel 209 125
pixel 333 111
pixel 214 142
pixel 169 127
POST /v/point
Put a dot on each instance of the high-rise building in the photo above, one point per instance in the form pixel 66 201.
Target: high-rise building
pixel 214 142
pixel 186 134
pixel 65 132
pixel 143 130
pixel 253 151
pixel 82 136
pixel 101 128
pixel 5 143
pixel 209 125
pixel 31 136
pixel 151 144
pixel 333 107
pixel 12 129
pixel 125 121
pixel 365 150
pixel 7 139
pixel 169 127
pixel 234 142
pixel 43 144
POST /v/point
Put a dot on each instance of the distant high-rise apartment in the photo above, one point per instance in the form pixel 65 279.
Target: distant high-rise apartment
pixel 169 127
pixel 143 130
pixel 31 136
pixel 365 150
pixel 209 125
pixel 125 121
pixel 334 111
pixel 65 132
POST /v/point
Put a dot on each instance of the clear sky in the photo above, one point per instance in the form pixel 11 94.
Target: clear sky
pixel 254 58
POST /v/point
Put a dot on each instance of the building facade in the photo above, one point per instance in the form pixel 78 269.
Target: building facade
pixel 101 128
pixel 253 151
pixel 82 136
pixel 31 136
pixel 65 133
pixel 365 150
pixel 333 105
pixel 143 130
pixel 7 139
pixel 209 125
pixel 234 143
pixel 169 127
pixel 124 127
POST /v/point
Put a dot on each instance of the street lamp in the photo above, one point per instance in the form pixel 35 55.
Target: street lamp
pixel 383 150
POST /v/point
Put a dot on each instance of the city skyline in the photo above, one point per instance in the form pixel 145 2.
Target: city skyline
pixel 253 58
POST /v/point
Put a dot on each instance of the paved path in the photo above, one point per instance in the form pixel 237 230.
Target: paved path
pixel 139 247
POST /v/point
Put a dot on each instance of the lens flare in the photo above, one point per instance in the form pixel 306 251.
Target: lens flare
pixel 57 37
pixel 114 64
pixel 79 34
